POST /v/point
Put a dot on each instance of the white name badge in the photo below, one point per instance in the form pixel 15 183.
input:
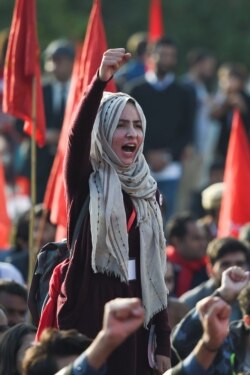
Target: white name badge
pixel 131 270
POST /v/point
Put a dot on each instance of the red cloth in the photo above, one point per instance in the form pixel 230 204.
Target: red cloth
pixel 188 268
pixel 235 205
pixel 85 67
pixel 21 67
pixel 48 316
pixel 156 28
pixel 5 224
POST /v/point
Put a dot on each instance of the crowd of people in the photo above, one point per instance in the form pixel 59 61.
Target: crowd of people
pixel 148 288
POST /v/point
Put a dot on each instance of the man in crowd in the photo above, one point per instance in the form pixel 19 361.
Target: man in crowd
pixel 13 297
pixel 169 112
pixel 222 254
pixel 186 251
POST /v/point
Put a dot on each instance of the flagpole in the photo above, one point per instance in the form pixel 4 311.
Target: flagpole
pixel 32 250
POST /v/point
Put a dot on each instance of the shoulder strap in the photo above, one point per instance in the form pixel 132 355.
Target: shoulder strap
pixel 82 214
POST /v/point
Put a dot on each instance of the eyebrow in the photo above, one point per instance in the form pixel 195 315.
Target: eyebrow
pixel 127 121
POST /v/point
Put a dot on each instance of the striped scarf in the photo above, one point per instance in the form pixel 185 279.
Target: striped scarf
pixel 110 177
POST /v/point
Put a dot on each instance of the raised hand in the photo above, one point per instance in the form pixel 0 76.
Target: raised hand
pixel 214 315
pixel 122 317
pixel 112 60
pixel 234 279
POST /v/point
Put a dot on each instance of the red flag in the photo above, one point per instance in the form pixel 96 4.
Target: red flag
pixel 235 207
pixel 5 224
pixel 156 28
pixel 21 67
pixel 86 65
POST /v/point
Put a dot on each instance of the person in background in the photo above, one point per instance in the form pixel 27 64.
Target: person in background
pixel 13 297
pixel 133 70
pixel 169 110
pixel 58 65
pixel 186 250
pixel 15 341
pixel 199 79
pixel 222 254
pixel 232 95
pixel 18 255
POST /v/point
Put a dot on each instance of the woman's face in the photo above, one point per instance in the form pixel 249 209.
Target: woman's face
pixel 128 136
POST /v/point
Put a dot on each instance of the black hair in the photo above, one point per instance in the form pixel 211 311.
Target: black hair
pixel 165 41
pixel 10 343
pixel 12 287
pixel 177 226
pixel 41 359
pixel 219 247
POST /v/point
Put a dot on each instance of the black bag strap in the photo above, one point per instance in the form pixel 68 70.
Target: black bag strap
pixel 84 211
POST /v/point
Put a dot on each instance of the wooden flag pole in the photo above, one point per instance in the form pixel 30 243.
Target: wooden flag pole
pixel 32 250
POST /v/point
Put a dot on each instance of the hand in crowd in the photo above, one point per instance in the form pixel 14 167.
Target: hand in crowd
pixel 234 279
pixel 112 60
pixel 122 317
pixel 214 315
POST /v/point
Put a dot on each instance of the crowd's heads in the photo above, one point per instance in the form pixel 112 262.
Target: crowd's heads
pixel 13 345
pixel 55 350
pixel 186 236
pixel 59 58
pixel 224 253
pixel 202 62
pixel 13 297
pixel 164 55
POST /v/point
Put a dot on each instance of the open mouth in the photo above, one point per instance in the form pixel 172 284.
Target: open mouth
pixel 129 148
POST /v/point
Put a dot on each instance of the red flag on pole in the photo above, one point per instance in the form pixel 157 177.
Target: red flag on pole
pixel 156 28
pixel 21 66
pixel 235 206
pixel 5 224
pixel 86 65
